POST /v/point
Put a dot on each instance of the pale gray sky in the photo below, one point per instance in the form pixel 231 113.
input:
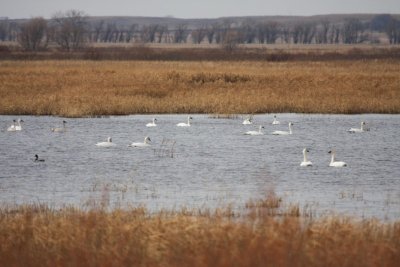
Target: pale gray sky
pixel 195 9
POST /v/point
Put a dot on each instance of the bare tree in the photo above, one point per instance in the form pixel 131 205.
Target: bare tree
pixel 149 32
pixel 286 34
pixel 199 34
pixel 162 30
pixel 222 30
pixel 210 32
pixel 321 35
pixel 393 31
pixel 248 32
pixel 131 33
pixel 98 29
pixel 267 32
pixel 231 40
pixel 3 30
pixel 180 34
pixel 352 31
pixel 32 35
pixel 70 29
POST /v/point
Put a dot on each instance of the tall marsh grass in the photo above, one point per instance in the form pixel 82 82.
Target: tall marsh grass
pixel 265 234
pixel 91 88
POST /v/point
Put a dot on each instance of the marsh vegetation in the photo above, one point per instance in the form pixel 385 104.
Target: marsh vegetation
pixel 89 88
pixel 266 233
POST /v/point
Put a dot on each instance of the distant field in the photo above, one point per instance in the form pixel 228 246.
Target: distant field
pixel 89 88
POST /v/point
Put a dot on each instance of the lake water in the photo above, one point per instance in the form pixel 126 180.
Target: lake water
pixel 212 163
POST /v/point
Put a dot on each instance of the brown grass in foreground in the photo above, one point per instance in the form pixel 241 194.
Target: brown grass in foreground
pixel 264 235
pixel 88 88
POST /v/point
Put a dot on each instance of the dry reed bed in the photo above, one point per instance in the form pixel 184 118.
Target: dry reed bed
pixel 89 88
pixel 262 236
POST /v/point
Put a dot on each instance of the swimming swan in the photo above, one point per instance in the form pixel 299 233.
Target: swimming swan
pixel 152 124
pixel 336 163
pixel 248 121
pixel 305 162
pixel 275 122
pixel 60 130
pixel 19 126
pixel 182 124
pixel 108 143
pixel 284 132
pixel 37 159
pixel 255 132
pixel 357 130
pixel 144 144
pixel 12 127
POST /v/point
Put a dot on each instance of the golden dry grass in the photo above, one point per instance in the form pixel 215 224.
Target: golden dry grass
pixel 89 88
pixel 264 235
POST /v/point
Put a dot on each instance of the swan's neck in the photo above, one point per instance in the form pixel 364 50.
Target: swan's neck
pixel 259 129
pixel 188 121
pixel 290 128
pixel 154 121
pixel 305 156
pixel 362 127
pixel 333 158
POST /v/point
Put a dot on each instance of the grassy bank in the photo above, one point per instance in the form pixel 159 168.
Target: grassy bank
pixel 88 88
pixel 265 234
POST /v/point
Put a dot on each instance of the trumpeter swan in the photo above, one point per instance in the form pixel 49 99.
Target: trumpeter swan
pixel 357 130
pixel 19 126
pixel 336 163
pixel 108 143
pixel 284 132
pixel 37 159
pixel 144 144
pixel 305 162
pixel 60 129
pixel 152 124
pixel 248 121
pixel 255 132
pixel 275 121
pixel 12 127
pixel 182 124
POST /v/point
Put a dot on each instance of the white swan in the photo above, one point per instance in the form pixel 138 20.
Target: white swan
pixel 60 129
pixel 305 162
pixel 108 143
pixel 336 163
pixel 182 124
pixel 357 130
pixel 12 127
pixel 152 124
pixel 255 132
pixel 144 144
pixel 284 132
pixel 248 121
pixel 275 122
pixel 19 126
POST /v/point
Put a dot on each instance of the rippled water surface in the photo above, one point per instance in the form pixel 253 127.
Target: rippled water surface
pixel 213 163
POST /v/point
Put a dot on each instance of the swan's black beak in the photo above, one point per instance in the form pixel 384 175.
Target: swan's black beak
pixel 330 151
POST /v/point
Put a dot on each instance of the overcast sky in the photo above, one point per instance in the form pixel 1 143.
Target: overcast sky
pixel 195 9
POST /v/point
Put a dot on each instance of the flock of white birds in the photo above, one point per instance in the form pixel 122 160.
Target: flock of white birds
pixel 305 162
pixel 17 126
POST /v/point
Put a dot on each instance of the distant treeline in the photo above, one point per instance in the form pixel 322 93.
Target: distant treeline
pixel 72 29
